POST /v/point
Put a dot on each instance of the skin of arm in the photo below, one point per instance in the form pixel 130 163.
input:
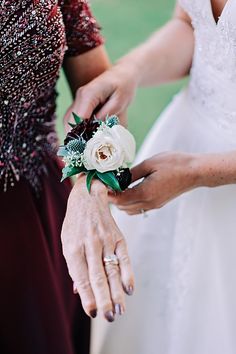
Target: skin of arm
pixel 82 69
pixel 190 171
pixel 89 232
pixel 85 238
pixel 164 57
pixel 168 175
pixel 215 170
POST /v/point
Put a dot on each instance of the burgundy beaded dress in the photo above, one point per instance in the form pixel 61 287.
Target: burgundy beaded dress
pixel 39 314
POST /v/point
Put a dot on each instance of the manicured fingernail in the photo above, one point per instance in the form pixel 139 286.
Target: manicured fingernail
pixel 110 316
pixel 93 313
pixel 130 290
pixel 75 291
pixel 119 309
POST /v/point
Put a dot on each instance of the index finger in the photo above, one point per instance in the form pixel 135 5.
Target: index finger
pixel 141 170
pixel 129 196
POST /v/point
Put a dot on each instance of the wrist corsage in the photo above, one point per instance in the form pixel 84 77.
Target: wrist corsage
pixel 100 149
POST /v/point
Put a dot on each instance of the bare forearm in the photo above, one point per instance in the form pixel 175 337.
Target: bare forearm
pixel 214 170
pixel 83 68
pixel 165 57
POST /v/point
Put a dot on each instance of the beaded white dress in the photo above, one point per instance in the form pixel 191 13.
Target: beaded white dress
pixel 184 255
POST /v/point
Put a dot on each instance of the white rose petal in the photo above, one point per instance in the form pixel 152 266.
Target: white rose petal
pixel 124 139
pixel 109 149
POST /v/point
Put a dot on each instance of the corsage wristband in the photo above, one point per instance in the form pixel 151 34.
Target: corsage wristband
pixel 100 149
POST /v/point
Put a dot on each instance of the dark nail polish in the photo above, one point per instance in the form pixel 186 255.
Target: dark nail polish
pixel 130 290
pixel 110 316
pixel 93 313
pixel 75 291
pixel 119 309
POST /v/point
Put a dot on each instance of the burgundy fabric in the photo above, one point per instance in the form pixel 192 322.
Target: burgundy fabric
pixel 39 314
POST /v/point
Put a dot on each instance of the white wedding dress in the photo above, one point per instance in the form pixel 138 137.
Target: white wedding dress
pixel 184 255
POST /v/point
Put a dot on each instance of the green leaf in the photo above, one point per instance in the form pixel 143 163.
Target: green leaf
pixel 76 118
pixel 110 180
pixel 71 171
pixel 89 179
pixel 62 151
pixel 72 125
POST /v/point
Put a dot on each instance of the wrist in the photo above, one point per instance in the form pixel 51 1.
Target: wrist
pixel 206 170
pixel 131 67
pixel 97 187
pixel 188 170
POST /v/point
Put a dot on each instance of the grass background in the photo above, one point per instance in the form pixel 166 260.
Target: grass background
pixel 125 24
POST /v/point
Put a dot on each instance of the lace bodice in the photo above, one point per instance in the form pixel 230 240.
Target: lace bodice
pixel 213 75
pixel 34 35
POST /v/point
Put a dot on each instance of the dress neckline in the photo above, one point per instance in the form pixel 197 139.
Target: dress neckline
pixel 216 22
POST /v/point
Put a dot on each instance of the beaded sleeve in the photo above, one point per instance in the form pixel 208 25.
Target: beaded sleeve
pixel 82 30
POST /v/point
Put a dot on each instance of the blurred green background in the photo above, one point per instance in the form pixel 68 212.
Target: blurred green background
pixel 125 24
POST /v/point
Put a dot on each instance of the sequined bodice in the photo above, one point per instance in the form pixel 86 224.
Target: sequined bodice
pixel 34 35
pixel 213 75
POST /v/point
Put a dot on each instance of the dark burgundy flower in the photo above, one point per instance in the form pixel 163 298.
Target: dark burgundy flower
pixel 85 130
pixel 124 178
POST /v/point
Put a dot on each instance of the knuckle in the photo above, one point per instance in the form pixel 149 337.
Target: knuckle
pixel 74 252
pixel 94 244
pixel 94 240
pixel 124 258
pixel 98 280
pixel 146 164
pixel 112 272
pixel 83 285
pixel 81 92
pixel 158 206
pixel 89 94
pixel 120 95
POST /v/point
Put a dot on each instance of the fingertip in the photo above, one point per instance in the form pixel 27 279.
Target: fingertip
pixel 109 315
pixel 93 313
pixel 75 291
pixel 129 290
pixel 100 115
pixel 119 309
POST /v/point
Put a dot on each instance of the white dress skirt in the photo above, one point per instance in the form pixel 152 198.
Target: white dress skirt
pixel 184 255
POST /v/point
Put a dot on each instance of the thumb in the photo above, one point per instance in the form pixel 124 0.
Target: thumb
pixel 86 101
pixel 141 170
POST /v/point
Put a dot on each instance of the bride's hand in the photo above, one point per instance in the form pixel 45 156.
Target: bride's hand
pixel 166 176
pixel 109 93
pixel 89 233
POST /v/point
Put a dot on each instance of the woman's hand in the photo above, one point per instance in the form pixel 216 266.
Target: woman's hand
pixel 89 234
pixel 166 176
pixel 110 93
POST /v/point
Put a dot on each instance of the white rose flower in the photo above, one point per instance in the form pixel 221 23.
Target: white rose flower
pixel 109 149
pixel 102 153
